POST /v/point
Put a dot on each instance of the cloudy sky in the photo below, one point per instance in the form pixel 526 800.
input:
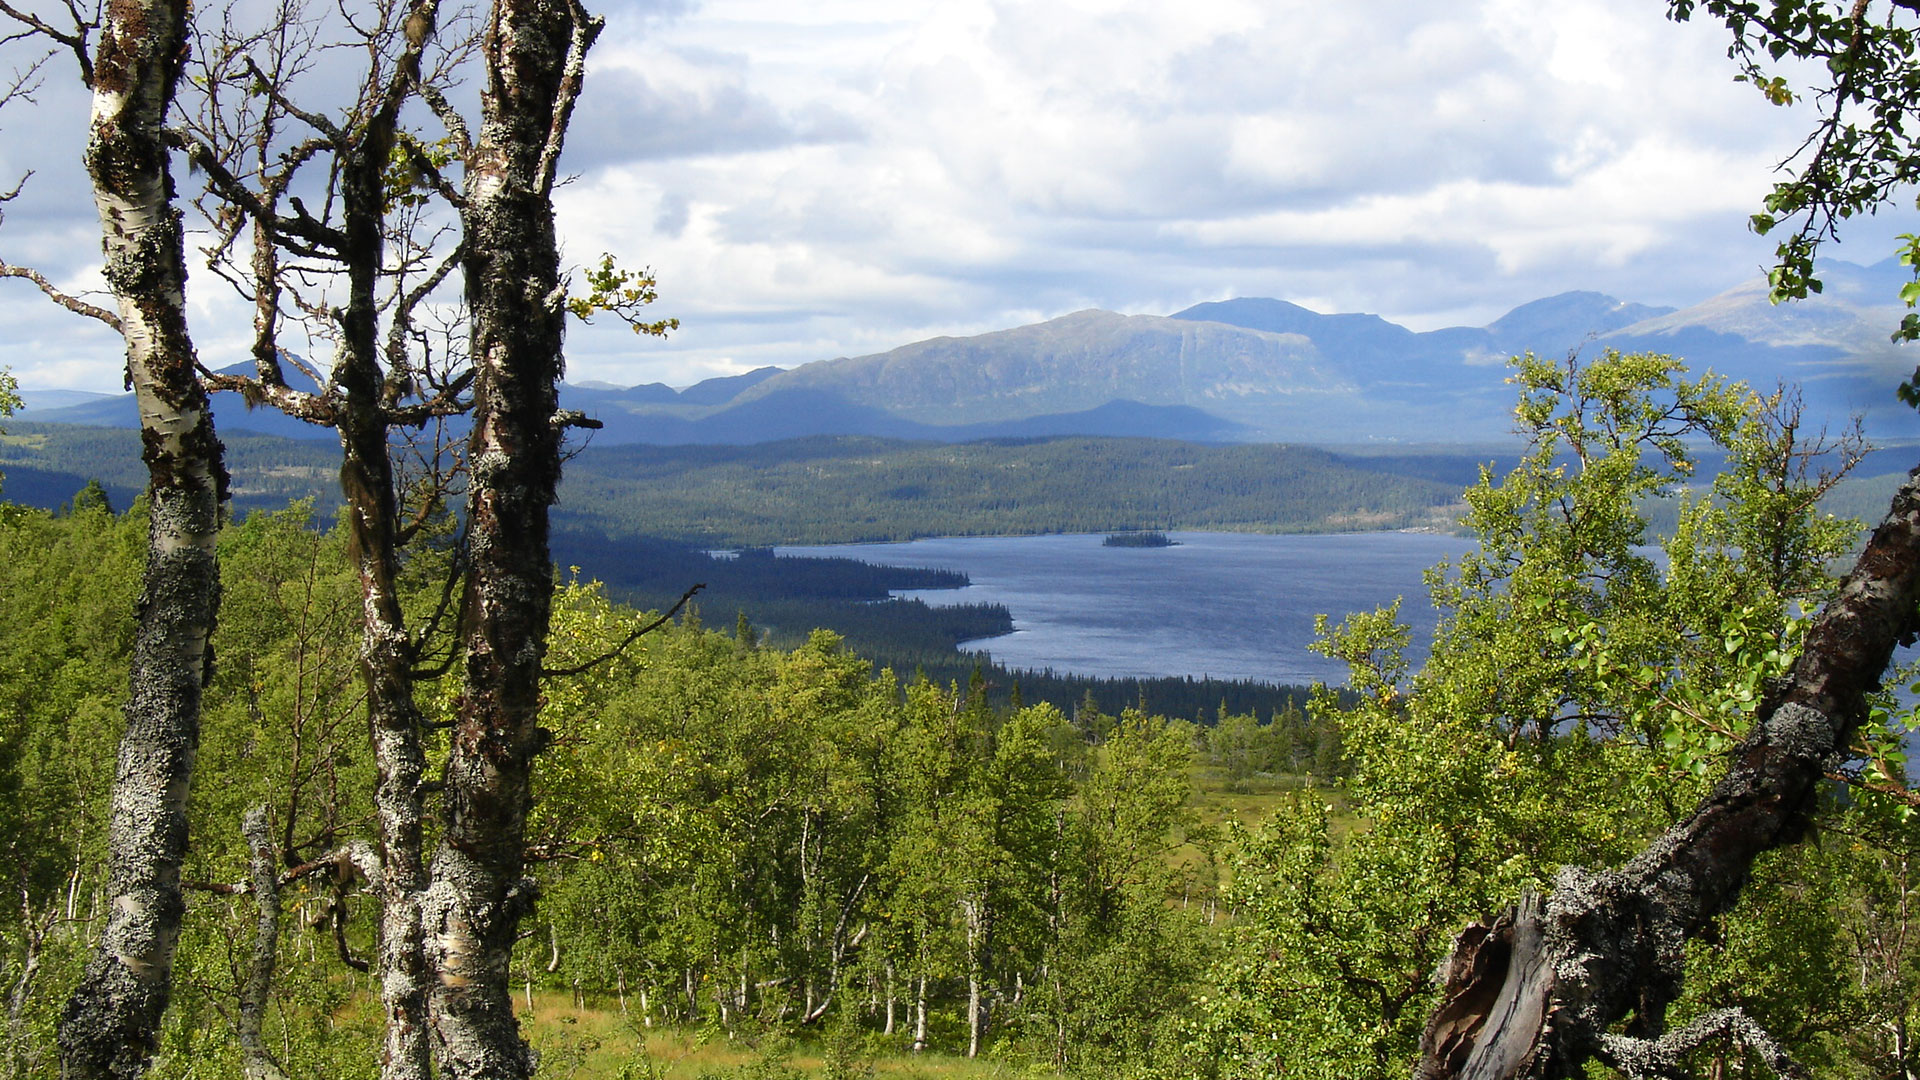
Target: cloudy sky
pixel 843 176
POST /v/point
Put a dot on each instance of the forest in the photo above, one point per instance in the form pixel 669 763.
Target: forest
pixel 877 489
pixel 760 861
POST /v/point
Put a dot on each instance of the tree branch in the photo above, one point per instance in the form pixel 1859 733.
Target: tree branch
pixel 558 673
pixel 1660 1059
pixel 71 303
pixel 585 29
pixel 75 42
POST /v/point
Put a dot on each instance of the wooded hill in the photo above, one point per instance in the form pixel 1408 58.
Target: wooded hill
pixel 840 489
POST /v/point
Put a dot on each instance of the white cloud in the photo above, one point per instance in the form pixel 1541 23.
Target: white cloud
pixel 824 179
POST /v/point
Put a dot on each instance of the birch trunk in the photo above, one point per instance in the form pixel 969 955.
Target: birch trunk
pixel 920 1015
pixel 112 1019
pixel 386 650
pixel 976 920
pixel 890 998
pixel 534 54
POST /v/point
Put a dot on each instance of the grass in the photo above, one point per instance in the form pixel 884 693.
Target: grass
pixel 594 1041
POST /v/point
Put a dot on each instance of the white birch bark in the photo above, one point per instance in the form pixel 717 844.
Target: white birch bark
pixel 113 1017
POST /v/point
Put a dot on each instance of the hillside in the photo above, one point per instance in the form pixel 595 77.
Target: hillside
pixel 841 489
pixel 832 490
pixel 1077 362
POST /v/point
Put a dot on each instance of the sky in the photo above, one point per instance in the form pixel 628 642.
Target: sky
pixel 841 177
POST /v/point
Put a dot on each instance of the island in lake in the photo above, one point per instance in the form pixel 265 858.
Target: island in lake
pixel 1139 540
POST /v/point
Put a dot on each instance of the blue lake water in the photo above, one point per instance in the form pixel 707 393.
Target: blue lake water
pixel 1229 605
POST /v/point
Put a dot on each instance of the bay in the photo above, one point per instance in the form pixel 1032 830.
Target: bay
pixel 1226 605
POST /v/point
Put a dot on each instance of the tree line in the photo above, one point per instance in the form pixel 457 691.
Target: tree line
pixel 826 490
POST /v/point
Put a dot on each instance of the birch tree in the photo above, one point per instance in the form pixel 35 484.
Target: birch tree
pixel 114 1013
pixel 371 240
pixel 533 53
pixel 1588 969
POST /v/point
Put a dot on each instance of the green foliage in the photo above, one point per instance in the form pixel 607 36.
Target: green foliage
pixel 621 293
pixel 414 169
pixel 1859 68
pixel 738 835
pixel 9 397
pixel 770 841
pixel 1573 704
pixel 65 631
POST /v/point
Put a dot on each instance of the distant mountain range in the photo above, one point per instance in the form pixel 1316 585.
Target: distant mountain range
pixel 1234 370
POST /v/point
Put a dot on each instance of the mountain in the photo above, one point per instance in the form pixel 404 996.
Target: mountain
pixel 230 414
pixel 48 400
pixel 1270 368
pixel 1563 322
pixel 1391 359
pixel 1282 371
pixel 1078 363
pixel 633 410
pixel 719 391
pixel 1241 369
pixel 793 414
pixel 1836 346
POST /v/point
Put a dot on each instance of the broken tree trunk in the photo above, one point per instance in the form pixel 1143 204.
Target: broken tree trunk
pixel 112 1019
pixel 1540 990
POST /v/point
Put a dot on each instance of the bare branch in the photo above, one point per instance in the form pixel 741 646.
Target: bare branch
pixel 449 116
pixel 228 187
pixel 398 365
pixel 65 300
pixel 1661 1059
pixel 75 40
pixel 25 82
pixel 273 91
pixel 447 402
pixel 318 409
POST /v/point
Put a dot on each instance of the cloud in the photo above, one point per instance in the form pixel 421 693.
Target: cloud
pixel 1434 163
pixel 630 116
pixel 845 176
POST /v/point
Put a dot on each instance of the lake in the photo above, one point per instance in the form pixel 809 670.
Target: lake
pixel 1229 605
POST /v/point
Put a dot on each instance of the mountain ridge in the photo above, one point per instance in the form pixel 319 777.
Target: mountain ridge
pixel 1241 369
